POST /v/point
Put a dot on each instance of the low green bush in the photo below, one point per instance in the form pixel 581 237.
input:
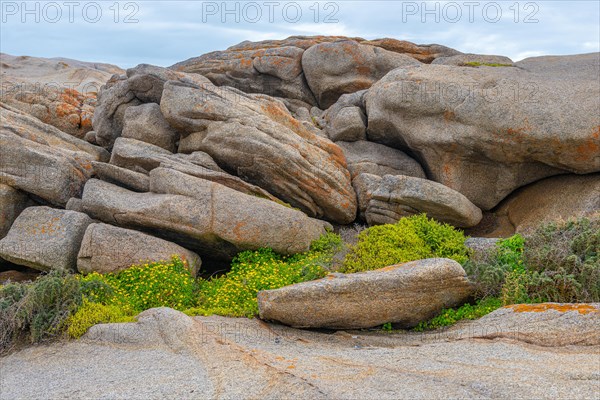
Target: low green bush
pixel 467 311
pixel 234 294
pixel 144 286
pixel 411 238
pixel 558 262
pixel 90 314
pixel 39 309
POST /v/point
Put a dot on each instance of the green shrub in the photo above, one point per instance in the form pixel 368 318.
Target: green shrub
pixel 39 309
pixel 140 287
pixel 234 294
pixel 451 316
pixel 559 262
pixel 90 314
pixel 411 238
pixel 490 274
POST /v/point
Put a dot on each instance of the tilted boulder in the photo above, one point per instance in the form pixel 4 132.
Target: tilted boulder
pixel 40 159
pixel 141 157
pixel 377 159
pixel 106 248
pixel 44 238
pixel 12 202
pixel 333 69
pixel 558 198
pixel 217 220
pixel 136 181
pixel 403 294
pixel 399 196
pixel 256 138
pixel 486 131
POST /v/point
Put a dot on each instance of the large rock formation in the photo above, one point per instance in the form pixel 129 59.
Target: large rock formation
pixel 44 238
pixel 106 248
pixel 58 91
pixel 256 138
pixel 404 294
pixel 486 131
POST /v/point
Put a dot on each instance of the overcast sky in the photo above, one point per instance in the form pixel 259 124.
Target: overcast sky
pixel 128 33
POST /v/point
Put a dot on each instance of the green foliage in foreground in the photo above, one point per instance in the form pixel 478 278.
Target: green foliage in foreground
pixel 90 314
pixel 480 64
pixel 39 309
pixel 140 287
pixel 451 316
pixel 411 238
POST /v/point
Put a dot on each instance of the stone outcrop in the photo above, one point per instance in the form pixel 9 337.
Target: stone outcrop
pixel 58 91
pixel 44 238
pixel 487 131
pixel 146 123
pixel 106 248
pixel 404 294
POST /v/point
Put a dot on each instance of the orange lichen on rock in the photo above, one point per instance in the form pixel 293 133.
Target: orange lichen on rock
pixel 580 308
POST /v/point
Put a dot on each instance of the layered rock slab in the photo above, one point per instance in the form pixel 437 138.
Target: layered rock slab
pixel 107 249
pixel 404 294
pixel 210 218
pixel 44 238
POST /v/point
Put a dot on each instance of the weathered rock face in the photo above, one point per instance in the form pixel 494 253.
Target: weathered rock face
pixel 58 91
pixel 44 238
pixel 556 198
pixel 486 131
pixel 377 159
pixel 12 202
pixel 398 196
pixel 277 67
pixel 404 294
pixel 275 71
pixel 545 324
pixel 144 157
pixel 106 248
pixel 202 215
pixel 146 123
pixel 136 181
pixel 256 138
pixel 142 84
pixel 333 69
pixel 39 159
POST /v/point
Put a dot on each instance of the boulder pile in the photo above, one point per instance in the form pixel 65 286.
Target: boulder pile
pixel 269 144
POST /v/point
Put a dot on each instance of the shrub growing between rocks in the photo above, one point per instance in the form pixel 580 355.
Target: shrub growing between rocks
pixel 559 262
pixel 411 238
pixel 234 294
pixel 39 309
